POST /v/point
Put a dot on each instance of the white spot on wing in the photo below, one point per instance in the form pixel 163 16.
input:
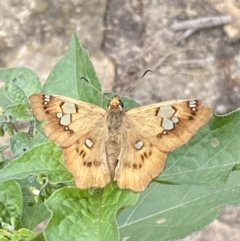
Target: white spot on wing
pixel 69 107
pixel 46 99
pixel 89 143
pixel 175 119
pixel 166 111
pixel 59 115
pixel 139 145
pixel 167 124
pixel 193 105
pixel 65 120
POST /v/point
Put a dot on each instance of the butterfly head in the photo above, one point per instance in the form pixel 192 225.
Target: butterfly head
pixel 115 103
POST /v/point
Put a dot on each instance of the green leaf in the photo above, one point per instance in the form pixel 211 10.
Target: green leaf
pixel 25 234
pixel 167 212
pixel 2 237
pixel 4 100
pixel 18 112
pixel 209 157
pixel 1 130
pixel 33 212
pixel 20 142
pixel 93 216
pixel 74 76
pixel 25 78
pixel 9 127
pixel 16 93
pixel 45 158
pixel 39 128
pixel 38 237
pixel 38 139
pixel 11 202
pixel 16 237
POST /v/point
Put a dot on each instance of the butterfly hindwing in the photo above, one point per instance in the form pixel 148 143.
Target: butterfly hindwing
pixel 139 162
pixel 87 160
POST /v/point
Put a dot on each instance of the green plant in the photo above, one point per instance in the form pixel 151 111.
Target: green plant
pixel 199 179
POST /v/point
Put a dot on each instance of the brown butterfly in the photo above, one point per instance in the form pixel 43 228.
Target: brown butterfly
pixel 129 147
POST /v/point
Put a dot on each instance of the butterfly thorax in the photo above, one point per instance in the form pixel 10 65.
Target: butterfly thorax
pixel 114 122
pixel 115 116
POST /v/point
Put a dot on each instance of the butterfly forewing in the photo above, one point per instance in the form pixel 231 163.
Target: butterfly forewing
pixel 170 124
pixel 66 119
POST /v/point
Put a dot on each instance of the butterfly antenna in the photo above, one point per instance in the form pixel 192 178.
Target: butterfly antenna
pixel 132 87
pixel 101 93
pixel 91 85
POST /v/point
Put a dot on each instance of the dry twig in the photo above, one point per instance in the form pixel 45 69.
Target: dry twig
pixel 194 25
